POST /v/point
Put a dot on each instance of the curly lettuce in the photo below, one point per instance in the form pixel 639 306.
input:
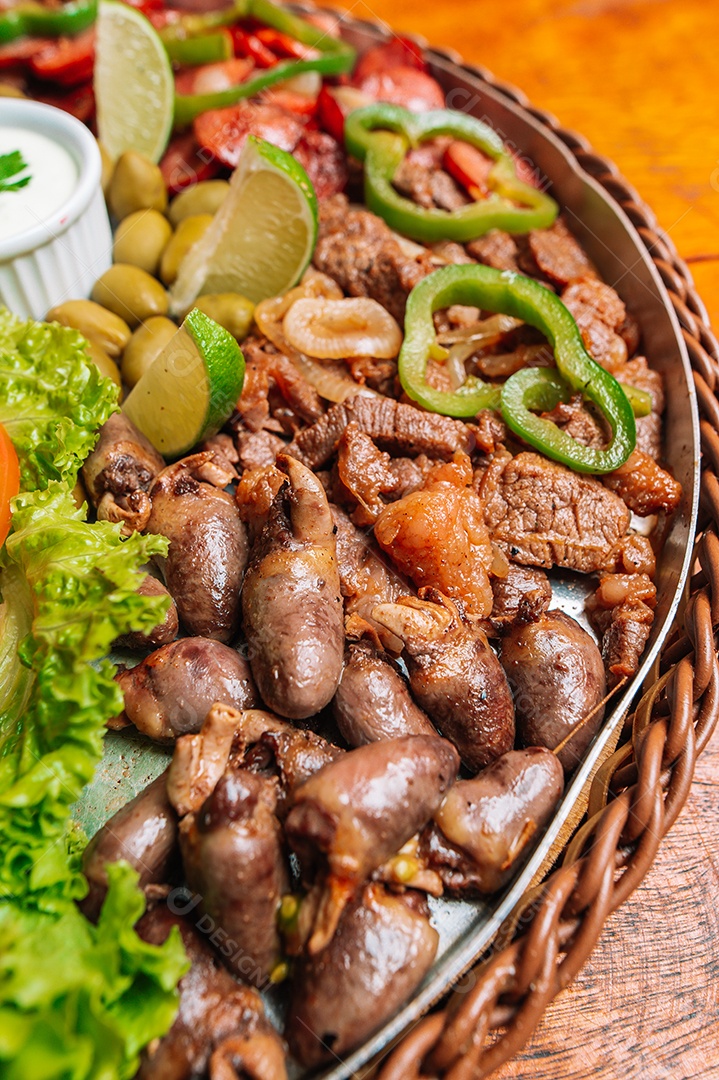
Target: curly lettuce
pixel 77 1002
pixel 52 399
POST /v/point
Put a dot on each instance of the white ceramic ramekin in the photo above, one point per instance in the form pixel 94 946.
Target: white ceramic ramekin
pixel 62 257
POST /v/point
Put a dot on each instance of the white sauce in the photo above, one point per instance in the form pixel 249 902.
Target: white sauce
pixel 54 177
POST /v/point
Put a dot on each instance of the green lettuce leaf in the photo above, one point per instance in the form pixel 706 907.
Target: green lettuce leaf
pixel 74 585
pixel 78 1000
pixel 52 399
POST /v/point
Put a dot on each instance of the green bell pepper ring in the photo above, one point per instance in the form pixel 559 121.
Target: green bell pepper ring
pixel 335 58
pixel 380 135
pixel 540 388
pixel 203 49
pixel 36 20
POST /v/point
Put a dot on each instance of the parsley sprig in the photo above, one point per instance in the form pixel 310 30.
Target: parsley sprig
pixel 11 166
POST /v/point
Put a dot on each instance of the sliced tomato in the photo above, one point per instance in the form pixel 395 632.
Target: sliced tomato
pixel 469 167
pixel 324 161
pixel 9 481
pixel 223 132
pixel 185 163
pixel 68 61
pixel 250 46
pixel 211 78
pixel 298 104
pixel 284 46
pixel 414 90
pixel 17 54
pixel 399 52
pixel 78 101
pixel 333 104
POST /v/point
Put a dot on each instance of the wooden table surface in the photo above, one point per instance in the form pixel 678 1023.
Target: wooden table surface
pixel 639 79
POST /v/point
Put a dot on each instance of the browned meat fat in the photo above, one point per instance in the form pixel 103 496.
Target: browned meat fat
pixel 395 427
pixel 358 250
pixel 644 486
pixel 542 514
pixel 622 612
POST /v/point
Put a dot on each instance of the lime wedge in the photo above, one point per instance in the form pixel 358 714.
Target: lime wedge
pixel 190 389
pixel 134 85
pixel 262 237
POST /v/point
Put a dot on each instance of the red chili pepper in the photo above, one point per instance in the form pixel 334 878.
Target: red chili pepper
pixel 185 163
pixel 469 167
pixel 406 86
pixel 79 101
pixel 333 104
pixel 17 54
pixel 285 47
pixel 399 52
pixel 68 61
pixel 249 45
pixel 9 481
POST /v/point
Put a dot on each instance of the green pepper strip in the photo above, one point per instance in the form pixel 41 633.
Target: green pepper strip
pixel 540 388
pixel 37 20
pixel 336 58
pixel 203 49
pixel 380 135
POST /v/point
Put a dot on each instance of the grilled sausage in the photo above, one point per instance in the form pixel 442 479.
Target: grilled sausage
pixel 233 858
pixel 373 701
pixel 171 692
pixel 454 675
pixel 383 948
pixel 485 823
pixel 352 815
pixel 143 833
pixel 291 602
pixel 119 473
pixel 557 676
pixel 208 544
pixel 161 634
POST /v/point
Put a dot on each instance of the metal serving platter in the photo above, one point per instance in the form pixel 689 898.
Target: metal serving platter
pixel 467 929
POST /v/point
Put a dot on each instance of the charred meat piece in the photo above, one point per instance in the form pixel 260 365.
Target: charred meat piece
pixel 143 833
pixel 365 474
pixel 255 495
pixel 291 601
pixel 270 372
pixel 622 612
pixel 119 473
pixel 324 161
pixel 383 948
pixel 395 427
pixel 350 817
pixel 171 692
pixel 220 1025
pixel 366 578
pixel 520 596
pixel 557 254
pixel 358 250
pixel 233 858
pixel 373 701
pixel 428 185
pixel 484 824
pixel 541 514
pixel 208 544
pixel 556 674
pixel 163 633
pixel 454 675
pixel 600 315
pixel 438 538
pixel 497 249
pixel 644 486
pixel 576 420
pixel 636 372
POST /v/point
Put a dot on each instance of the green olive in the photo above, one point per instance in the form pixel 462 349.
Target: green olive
pixel 105 365
pixel 6 90
pixel 230 310
pixel 203 198
pixel 136 184
pixel 141 238
pixel 131 293
pixel 94 322
pixel 187 233
pixel 144 346
pixel 107 167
